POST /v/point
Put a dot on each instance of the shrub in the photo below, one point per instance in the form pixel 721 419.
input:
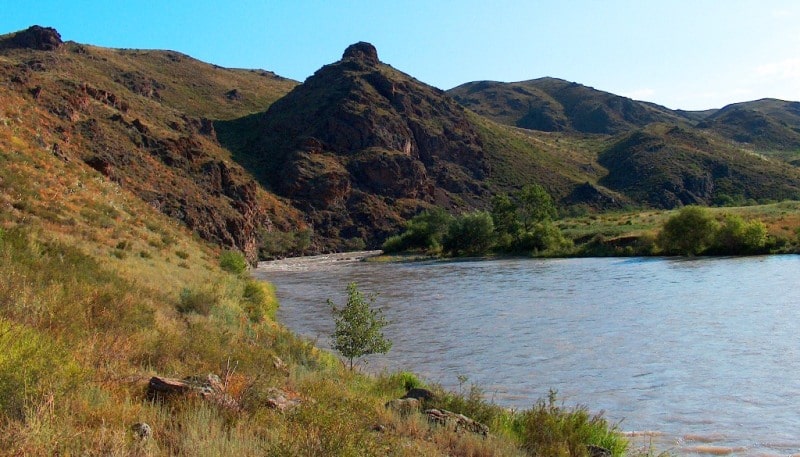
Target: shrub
pixel 354 244
pixel 423 232
pixel 406 380
pixel 689 232
pixel 275 244
pixel 545 236
pixel 470 234
pixel 258 301
pixel 737 236
pixel 199 302
pixel 31 365
pixel 233 262
pixel 548 429
pixel 472 404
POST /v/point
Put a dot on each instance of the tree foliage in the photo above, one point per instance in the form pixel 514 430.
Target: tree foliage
pixel 359 326
pixel 534 205
pixel 470 234
pixel 424 232
pixel 524 223
pixel 737 236
pixel 689 232
pixel 520 223
pixel 694 231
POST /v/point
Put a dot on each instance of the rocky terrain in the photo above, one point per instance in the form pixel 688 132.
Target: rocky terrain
pixel 130 116
pixel 246 158
pixel 360 147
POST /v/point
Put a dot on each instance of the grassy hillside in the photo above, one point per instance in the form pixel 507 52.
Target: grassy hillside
pixel 143 120
pixel 555 105
pixel 667 166
pixel 767 126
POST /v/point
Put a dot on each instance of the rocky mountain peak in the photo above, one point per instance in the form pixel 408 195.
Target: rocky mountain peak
pixel 35 37
pixel 362 51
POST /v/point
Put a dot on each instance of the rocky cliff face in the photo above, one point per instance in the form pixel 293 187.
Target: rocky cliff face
pixel 360 146
pixel 115 120
pixel 35 37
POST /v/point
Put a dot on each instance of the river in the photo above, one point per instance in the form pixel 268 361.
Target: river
pixel 698 356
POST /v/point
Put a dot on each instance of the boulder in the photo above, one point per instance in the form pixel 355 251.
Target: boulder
pixel 282 400
pixel 419 394
pixel 456 422
pixel 209 387
pixel 403 406
pixel 142 431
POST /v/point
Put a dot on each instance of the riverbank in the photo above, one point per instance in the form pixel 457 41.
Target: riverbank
pixel 672 346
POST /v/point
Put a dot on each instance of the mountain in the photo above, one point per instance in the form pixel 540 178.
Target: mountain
pixel 767 124
pixel 143 119
pixel 245 158
pixel 360 147
pixel 555 105
pixel 667 166
pixel 654 156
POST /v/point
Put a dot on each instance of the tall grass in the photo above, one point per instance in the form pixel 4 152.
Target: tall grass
pixel 80 337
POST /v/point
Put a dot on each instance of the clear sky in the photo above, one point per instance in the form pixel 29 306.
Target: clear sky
pixel 687 54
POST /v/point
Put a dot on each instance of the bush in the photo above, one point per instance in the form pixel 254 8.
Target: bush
pixel 31 365
pixel 233 262
pixel 548 429
pixel 276 244
pixel 737 236
pixel 258 301
pixel 470 234
pixel 545 236
pixel 407 380
pixel 423 232
pixel 689 232
pixel 199 302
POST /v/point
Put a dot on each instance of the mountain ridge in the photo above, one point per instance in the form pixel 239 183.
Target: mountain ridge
pixel 360 147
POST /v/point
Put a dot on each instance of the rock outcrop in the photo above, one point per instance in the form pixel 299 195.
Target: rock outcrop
pixel 456 422
pixel 209 387
pixel 35 37
pixel 403 406
pixel 360 147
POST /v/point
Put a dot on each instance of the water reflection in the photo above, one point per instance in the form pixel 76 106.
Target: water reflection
pixel 700 348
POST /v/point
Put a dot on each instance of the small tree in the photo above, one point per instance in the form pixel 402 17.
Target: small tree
pixel 470 234
pixel 535 205
pixel 359 327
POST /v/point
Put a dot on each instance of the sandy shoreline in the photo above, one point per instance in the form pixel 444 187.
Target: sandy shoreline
pixel 303 263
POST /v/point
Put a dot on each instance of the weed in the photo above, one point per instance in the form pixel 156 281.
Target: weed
pixel 233 262
pixel 197 301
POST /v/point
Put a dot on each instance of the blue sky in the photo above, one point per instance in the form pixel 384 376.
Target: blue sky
pixel 682 54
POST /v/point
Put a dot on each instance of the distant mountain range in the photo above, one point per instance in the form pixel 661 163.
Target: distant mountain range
pixel 360 147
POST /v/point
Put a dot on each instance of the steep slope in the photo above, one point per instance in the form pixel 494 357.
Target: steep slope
pixel 767 124
pixel 141 118
pixel 553 105
pixel 361 146
pixel 667 166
